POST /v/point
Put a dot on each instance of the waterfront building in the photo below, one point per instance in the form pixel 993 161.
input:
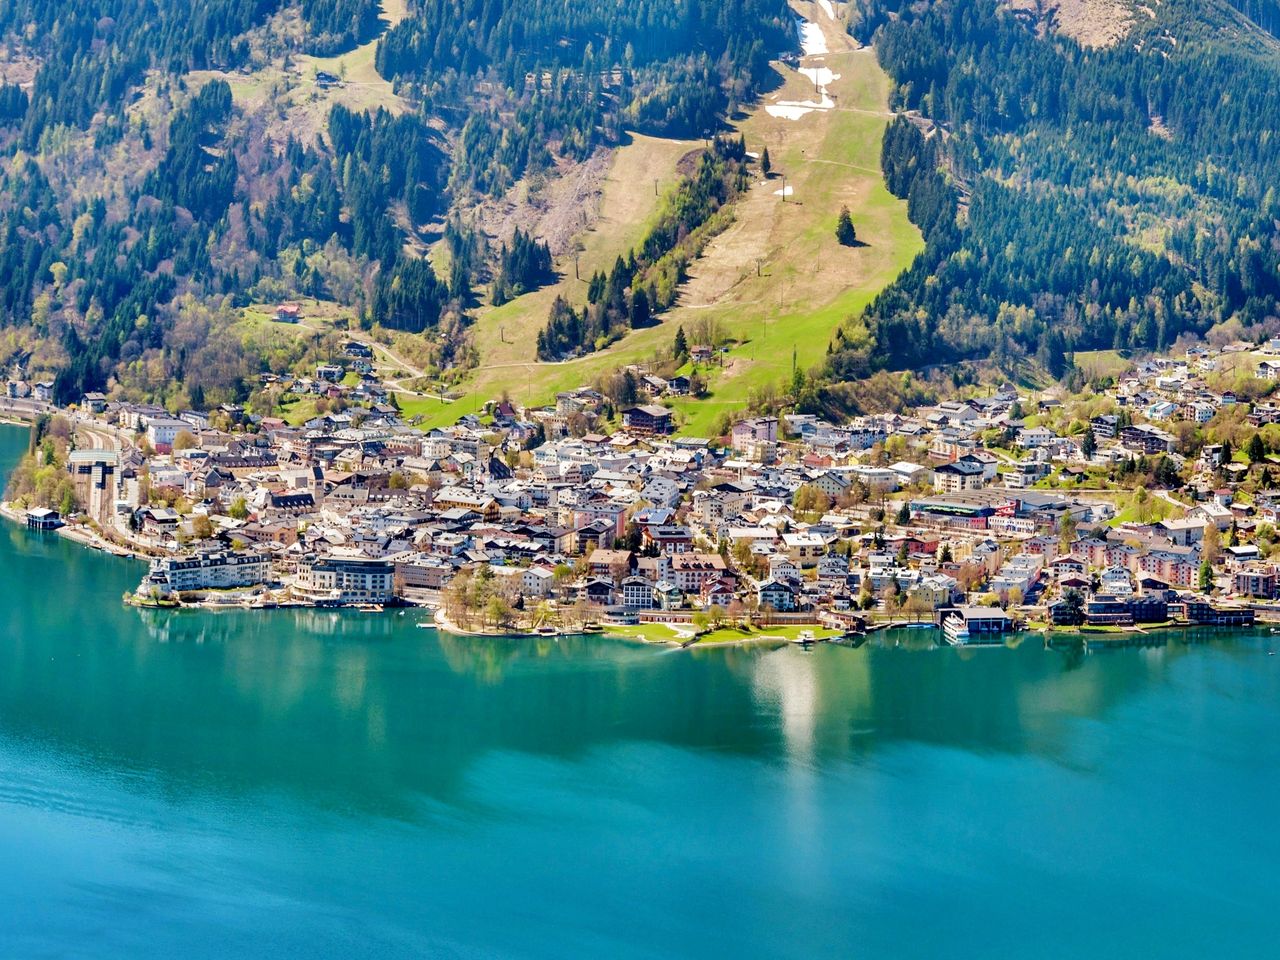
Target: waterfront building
pixel 970 625
pixel 207 570
pixel 346 580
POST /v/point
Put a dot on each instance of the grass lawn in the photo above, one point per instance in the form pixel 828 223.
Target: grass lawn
pixel 652 632
pixel 788 631
pixel 1102 363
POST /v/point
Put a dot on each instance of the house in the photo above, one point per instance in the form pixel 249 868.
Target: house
pixel 934 591
pixel 288 313
pixel 1184 533
pixel 614 564
pixel 43 519
pixel 95 403
pixel 536 581
pixel 649 420
pixel 162 431
pixel 1035 436
pixel 1104 427
pixel 804 549
pixel 778 595
pixel 667 596
pixel 666 539
pixel 598 591
pixel 717 592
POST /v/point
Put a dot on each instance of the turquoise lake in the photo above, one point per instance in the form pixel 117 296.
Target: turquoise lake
pixel 314 784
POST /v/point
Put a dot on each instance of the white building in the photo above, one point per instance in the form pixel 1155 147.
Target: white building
pixel 221 570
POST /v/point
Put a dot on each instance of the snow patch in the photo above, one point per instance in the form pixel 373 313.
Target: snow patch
pixel 812 41
pixel 784 192
pixel 790 109
pixel 819 77
pixel 827 8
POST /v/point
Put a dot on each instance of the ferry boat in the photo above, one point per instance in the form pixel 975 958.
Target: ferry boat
pixel 592 628
pixel 546 632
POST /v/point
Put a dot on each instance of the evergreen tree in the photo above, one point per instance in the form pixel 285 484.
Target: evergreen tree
pixel 765 165
pixel 1257 450
pixel 845 233
pixel 1089 444
pixel 680 348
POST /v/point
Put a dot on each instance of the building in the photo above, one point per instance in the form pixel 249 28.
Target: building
pixel 691 570
pixel 1146 440
pixel 748 433
pixel 162 431
pixel 94 402
pixel 1206 614
pixel 957 476
pixel 649 419
pixel 346 580
pixel 804 549
pixel 42 519
pixel 638 593
pixel 779 595
pixel 1256 583
pixel 963 625
pixel 208 570
pixel 93 474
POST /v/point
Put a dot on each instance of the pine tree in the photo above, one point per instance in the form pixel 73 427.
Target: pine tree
pixel 844 229
pixel 765 165
pixel 1257 450
pixel 680 349
pixel 1089 444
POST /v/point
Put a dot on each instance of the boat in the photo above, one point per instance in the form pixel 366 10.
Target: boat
pixel 592 628
pixel 546 631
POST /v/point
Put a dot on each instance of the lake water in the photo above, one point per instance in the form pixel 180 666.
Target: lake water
pixel 321 785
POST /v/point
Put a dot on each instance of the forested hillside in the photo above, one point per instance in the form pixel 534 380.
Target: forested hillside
pixel 577 74
pixel 143 201
pixel 1074 198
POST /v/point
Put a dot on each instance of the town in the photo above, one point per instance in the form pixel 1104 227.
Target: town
pixel 1146 504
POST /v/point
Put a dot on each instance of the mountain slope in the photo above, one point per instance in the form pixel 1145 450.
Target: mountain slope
pixel 163 165
pixel 1073 198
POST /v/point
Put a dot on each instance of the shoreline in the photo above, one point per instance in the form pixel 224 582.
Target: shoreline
pixel 76 534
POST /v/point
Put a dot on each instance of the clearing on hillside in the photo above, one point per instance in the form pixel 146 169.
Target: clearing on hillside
pixel 776 283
